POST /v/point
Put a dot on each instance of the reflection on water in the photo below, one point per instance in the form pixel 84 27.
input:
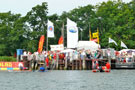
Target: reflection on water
pixel 68 80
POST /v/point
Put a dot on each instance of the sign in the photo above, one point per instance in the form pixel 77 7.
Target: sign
pixel 57 47
pixel 10 64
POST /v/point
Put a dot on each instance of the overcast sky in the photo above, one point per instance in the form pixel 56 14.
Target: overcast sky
pixel 54 6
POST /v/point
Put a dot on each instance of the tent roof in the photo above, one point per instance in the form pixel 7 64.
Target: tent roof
pixel 88 45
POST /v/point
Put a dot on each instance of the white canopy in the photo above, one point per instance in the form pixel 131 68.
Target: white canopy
pixel 67 50
pixel 88 45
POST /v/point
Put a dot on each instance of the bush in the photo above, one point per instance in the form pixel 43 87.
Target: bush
pixel 7 59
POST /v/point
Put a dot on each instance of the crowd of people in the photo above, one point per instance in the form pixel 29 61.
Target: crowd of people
pixel 50 57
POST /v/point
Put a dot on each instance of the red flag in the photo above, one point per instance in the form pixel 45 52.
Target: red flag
pixel 60 40
pixel 41 43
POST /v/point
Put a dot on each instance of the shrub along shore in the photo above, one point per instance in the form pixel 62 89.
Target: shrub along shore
pixel 7 59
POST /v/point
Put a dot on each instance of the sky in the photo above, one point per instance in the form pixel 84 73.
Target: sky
pixel 54 6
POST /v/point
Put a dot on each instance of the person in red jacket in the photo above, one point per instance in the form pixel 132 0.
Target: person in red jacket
pixel 108 65
pixel 47 61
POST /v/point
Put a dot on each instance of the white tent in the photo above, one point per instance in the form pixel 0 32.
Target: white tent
pixel 67 50
pixel 88 45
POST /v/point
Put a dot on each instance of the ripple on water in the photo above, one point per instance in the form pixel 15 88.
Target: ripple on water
pixel 68 80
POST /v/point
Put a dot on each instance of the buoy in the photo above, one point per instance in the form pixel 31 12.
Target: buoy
pixel 94 70
pixel 107 70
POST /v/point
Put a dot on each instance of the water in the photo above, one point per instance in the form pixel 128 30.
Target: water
pixel 68 80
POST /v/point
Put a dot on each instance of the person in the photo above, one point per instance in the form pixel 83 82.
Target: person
pixel 47 61
pixel 34 62
pixel 20 65
pixel 88 54
pixel 108 65
pixel 97 54
pixel 100 69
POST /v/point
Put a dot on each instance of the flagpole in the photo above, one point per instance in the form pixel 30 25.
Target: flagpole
pixel 47 40
pixel 90 32
pixel 62 31
pixel 98 35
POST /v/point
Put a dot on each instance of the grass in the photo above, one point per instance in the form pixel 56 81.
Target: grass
pixel 7 59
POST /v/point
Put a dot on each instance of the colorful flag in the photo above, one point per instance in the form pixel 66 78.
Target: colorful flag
pixel 123 45
pixel 112 41
pixel 41 43
pixel 50 29
pixel 72 34
pixel 60 40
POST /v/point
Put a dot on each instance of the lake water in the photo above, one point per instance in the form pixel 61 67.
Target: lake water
pixel 68 80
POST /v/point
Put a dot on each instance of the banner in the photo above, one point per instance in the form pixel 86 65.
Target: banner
pixel 60 40
pixel 57 47
pixel 11 64
pixel 50 29
pixel 41 43
pixel 72 34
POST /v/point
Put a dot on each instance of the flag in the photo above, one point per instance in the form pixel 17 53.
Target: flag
pixel 50 29
pixel 41 43
pixel 60 40
pixel 123 45
pixel 72 34
pixel 112 41
pixel 95 35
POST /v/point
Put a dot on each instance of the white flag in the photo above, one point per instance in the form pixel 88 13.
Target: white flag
pixel 72 34
pixel 112 41
pixel 50 29
pixel 123 45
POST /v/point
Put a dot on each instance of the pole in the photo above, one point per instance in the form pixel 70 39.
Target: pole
pixel 81 34
pixel 62 31
pixel 47 40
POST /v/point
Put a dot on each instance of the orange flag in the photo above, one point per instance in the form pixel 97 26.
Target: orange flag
pixel 60 40
pixel 41 43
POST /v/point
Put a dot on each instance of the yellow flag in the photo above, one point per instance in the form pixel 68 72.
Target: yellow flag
pixel 95 35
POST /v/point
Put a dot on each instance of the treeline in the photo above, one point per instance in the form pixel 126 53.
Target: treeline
pixel 115 19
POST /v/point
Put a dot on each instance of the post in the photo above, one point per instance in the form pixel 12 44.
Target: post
pixel 57 61
pixel 65 64
pixel 76 61
pixel 84 63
